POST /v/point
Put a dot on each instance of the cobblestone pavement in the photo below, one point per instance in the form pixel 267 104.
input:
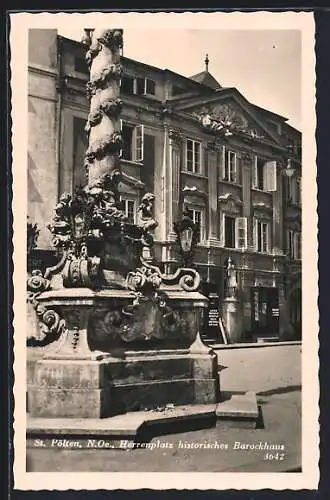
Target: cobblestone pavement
pixel 272 372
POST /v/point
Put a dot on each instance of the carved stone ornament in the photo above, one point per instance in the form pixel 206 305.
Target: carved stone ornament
pixel 175 136
pixel 112 39
pixel 146 319
pixel 106 106
pixel 225 120
pixel 51 324
pixel 246 157
pixel 107 144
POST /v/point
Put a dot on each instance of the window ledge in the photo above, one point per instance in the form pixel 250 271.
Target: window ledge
pixel 262 191
pixel 201 176
pixel 230 183
pixel 131 162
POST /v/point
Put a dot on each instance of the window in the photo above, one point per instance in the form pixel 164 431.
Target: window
pixel 129 208
pixel 150 87
pixel 297 252
pixel 80 65
pixel 290 244
pixel 294 244
pixel 235 232
pixel 197 217
pixel 127 85
pixel 193 156
pixel 229 166
pixel 264 175
pixel 294 190
pixel 132 141
pixel 229 231
pixel 138 85
pixel 261 236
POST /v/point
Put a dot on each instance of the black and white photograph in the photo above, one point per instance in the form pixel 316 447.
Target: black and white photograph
pixel 164 203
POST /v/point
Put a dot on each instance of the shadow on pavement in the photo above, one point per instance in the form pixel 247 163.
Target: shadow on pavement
pixel 280 390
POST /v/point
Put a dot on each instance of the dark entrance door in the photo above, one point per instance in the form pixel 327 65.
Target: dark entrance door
pixel 265 311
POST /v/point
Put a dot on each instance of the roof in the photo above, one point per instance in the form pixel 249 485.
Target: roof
pixel 205 78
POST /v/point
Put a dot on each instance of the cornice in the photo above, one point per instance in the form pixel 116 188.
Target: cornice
pixel 42 70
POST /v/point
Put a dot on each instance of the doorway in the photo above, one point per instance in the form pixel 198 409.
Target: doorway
pixel 265 311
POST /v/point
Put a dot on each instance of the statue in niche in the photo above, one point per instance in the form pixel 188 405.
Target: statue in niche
pixel 231 279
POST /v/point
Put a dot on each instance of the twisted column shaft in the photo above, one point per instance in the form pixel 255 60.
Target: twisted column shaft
pixel 103 90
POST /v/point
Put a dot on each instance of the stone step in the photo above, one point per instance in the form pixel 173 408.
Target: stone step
pixel 262 340
pixel 122 431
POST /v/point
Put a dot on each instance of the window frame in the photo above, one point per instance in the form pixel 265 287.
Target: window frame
pixel 201 210
pixel 267 175
pixel 194 142
pixel 237 220
pixel 145 80
pixel 264 224
pixel 135 157
pixel 125 200
pixel 294 244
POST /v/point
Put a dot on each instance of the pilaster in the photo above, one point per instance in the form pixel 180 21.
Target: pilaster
pixel 247 159
pixel 213 179
pixel 278 215
pixel 173 190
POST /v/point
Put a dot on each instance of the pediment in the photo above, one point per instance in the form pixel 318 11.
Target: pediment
pixel 229 113
pixel 129 185
pixel 230 202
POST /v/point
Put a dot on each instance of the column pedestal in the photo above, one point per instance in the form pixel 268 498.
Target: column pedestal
pixel 233 319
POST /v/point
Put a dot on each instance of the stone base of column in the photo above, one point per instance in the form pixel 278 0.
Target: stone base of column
pixel 233 319
pixel 137 381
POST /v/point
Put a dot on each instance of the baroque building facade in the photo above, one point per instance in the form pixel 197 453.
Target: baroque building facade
pixel 195 145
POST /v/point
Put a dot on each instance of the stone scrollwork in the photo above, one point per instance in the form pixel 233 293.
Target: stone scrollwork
pixel 150 277
pixel 51 324
pixel 144 279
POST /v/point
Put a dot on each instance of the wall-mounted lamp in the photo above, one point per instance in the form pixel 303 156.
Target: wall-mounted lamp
pixel 187 234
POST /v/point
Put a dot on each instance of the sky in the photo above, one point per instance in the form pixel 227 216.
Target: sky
pixel 264 65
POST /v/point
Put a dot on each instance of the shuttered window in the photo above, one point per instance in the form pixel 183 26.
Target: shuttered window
pixel 264 175
pixel 235 232
pixel 133 138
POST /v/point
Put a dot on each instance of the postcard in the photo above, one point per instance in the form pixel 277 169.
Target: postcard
pixel 165 250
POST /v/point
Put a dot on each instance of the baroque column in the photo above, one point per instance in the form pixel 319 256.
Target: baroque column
pixel 103 91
